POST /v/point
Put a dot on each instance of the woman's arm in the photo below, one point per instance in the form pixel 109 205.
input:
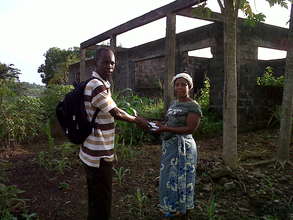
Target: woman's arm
pixel 192 123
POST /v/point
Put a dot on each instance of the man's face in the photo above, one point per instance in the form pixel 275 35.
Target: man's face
pixel 106 64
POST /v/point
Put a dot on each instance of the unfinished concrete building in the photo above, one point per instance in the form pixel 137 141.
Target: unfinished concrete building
pixel 147 68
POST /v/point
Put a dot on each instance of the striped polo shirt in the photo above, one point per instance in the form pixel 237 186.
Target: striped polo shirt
pixel 100 143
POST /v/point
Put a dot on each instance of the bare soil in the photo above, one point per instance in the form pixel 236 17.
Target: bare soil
pixel 254 191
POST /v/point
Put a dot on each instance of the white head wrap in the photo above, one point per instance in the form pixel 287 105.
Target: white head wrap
pixel 185 76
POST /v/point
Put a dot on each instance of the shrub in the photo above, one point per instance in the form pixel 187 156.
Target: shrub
pixel 210 124
pixel 128 133
pixel 268 79
pixel 52 95
pixel 21 116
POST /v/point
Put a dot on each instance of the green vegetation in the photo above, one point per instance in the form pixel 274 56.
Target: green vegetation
pixel 28 89
pixel 55 70
pixel 28 117
pixel 210 124
pixel 21 116
pixel 127 133
pixel 8 71
pixel 24 118
pixel 269 79
pixel 120 173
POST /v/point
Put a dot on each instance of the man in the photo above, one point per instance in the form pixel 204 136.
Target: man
pixel 97 150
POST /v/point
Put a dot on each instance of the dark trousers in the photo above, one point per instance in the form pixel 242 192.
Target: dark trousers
pixel 99 183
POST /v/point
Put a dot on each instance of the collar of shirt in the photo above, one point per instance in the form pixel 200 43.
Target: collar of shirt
pixel 106 83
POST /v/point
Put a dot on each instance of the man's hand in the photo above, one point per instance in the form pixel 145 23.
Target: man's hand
pixel 141 122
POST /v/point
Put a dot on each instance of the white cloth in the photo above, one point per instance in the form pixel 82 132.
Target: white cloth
pixel 185 76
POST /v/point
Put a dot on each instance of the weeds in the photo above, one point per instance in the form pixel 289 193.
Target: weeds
pixel 139 202
pixel 211 208
pixel 120 173
pixel 124 152
pixel 10 202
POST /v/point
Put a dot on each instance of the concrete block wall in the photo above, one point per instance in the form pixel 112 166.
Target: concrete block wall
pixel 142 68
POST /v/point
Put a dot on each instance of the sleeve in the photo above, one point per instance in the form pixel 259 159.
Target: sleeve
pixel 195 108
pixel 100 98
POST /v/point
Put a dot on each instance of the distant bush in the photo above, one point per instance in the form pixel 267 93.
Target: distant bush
pixel 23 117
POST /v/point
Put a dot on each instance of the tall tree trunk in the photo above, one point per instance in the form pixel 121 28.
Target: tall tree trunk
pixel 230 86
pixel 287 103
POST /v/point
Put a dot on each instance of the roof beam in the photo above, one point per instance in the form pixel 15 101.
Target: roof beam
pixel 193 13
pixel 141 20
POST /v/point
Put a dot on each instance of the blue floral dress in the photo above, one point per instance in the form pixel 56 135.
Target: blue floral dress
pixel 178 161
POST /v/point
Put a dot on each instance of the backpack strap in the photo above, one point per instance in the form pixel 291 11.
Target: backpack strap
pixel 97 110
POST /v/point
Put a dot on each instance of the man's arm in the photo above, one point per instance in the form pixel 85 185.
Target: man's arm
pixel 119 114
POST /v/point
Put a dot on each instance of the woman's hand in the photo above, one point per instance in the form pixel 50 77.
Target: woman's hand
pixel 161 127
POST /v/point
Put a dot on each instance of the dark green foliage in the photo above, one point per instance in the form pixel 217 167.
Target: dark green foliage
pixel 56 67
pixel 9 201
pixel 29 89
pixel 129 133
pixel 268 79
pixel 282 3
pixel 51 96
pixel 8 71
pixel 210 124
pixel 21 116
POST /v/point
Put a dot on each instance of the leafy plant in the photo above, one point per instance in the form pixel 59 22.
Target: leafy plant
pixel 141 200
pixel 63 185
pixel 120 173
pixel 210 123
pixel 128 133
pixel 52 95
pixel 268 79
pixel 58 158
pixel 275 116
pixel 211 208
pixel 204 98
pixel 9 201
pixel 21 116
pixel 123 151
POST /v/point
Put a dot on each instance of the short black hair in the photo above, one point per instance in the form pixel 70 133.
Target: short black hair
pixel 101 50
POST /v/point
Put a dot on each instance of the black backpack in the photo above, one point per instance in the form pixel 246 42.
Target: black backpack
pixel 72 115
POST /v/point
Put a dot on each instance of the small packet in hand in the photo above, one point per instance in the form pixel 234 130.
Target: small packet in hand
pixel 153 126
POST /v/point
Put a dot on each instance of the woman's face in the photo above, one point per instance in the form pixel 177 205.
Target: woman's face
pixel 181 87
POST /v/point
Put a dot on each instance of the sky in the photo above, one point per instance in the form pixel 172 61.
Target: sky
pixel 30 27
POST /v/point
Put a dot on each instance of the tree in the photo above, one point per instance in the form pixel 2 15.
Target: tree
pixel 57 62
pixel 8 71
pixel 230 8
pixel 287 103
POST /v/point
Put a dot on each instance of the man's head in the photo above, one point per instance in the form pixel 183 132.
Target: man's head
pixel 105 62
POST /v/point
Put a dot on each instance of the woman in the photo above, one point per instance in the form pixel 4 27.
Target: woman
pixel 179 153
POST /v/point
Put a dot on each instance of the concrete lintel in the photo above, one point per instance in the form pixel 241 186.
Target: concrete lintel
pixel 141 20
pixel 193 13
